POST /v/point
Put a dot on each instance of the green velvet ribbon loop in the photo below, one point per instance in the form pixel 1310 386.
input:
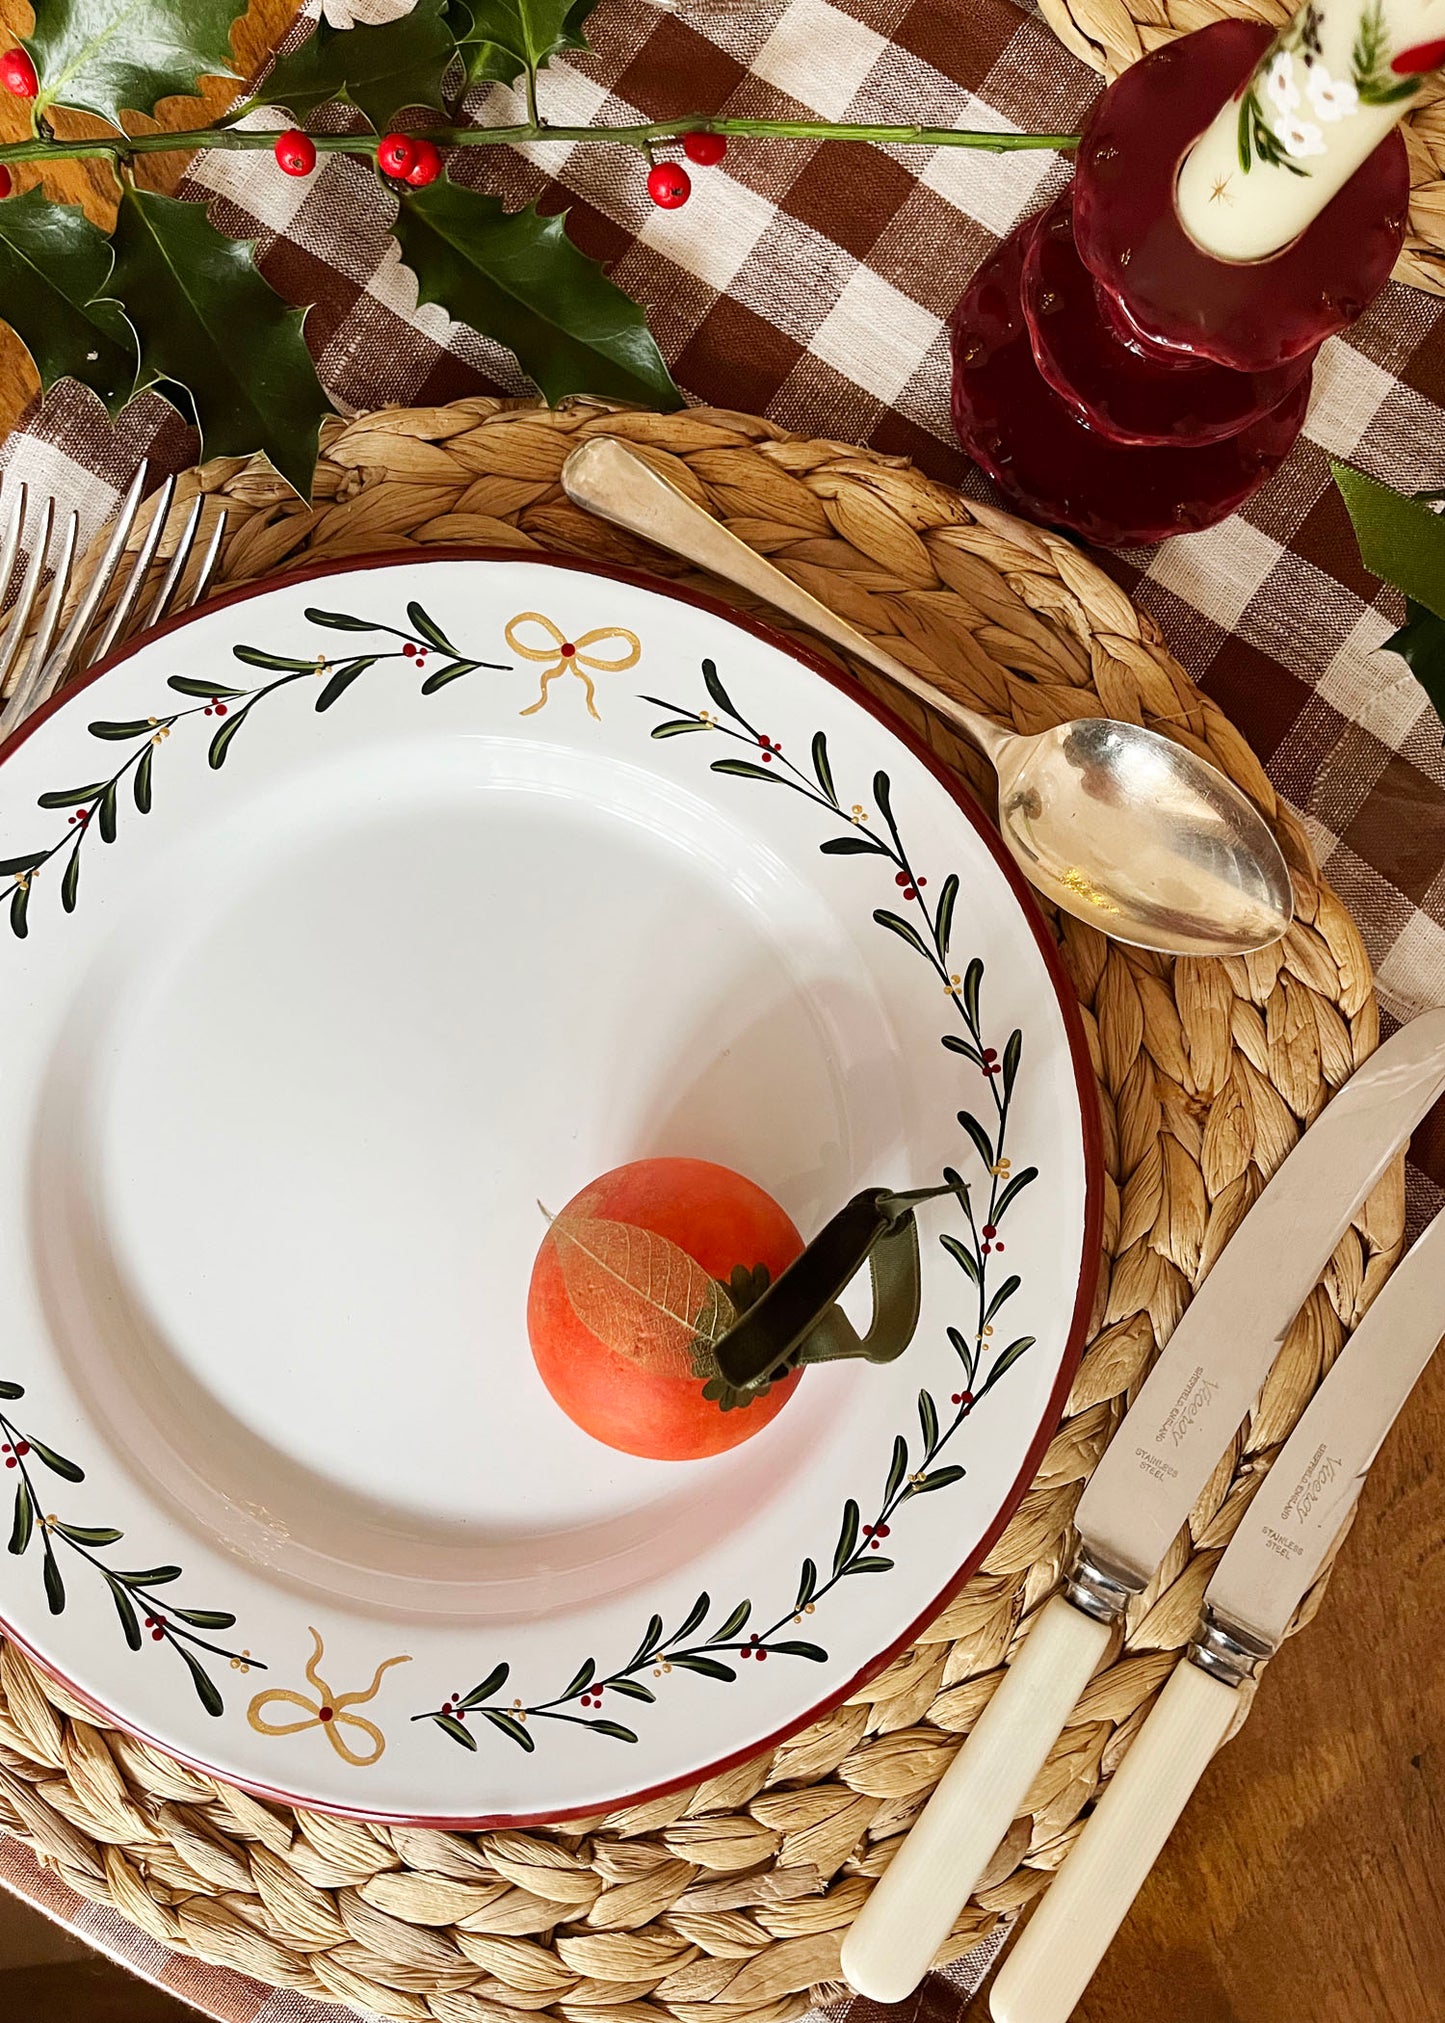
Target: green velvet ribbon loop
pixel 797 1320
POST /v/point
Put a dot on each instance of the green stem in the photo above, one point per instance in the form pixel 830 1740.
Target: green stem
pixel 126 147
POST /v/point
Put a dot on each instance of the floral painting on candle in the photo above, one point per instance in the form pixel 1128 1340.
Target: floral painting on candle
pixel 1324 94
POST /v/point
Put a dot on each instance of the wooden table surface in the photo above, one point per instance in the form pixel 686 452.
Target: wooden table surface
pixel 1307 1880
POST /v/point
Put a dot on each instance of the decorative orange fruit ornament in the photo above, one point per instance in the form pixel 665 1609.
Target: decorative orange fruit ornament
pixel 636 1279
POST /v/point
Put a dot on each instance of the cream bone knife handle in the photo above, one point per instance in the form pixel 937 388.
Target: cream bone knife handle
pixel 1072 1929
pixel 914 1904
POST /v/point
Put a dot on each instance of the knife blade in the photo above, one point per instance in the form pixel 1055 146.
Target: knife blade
pixel 1148 1481
pixel 1271 1563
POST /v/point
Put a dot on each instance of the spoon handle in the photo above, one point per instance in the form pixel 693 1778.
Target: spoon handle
pixel 608 478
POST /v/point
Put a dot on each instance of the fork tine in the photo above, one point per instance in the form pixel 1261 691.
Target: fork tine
pixel 208 562
pixel 14 527
pixel 124 604
pixel 29 590
pixel 28 682
pixel 47 668
pixel 161 603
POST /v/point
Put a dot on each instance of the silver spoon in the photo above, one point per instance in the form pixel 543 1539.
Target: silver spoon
pixel 1116 824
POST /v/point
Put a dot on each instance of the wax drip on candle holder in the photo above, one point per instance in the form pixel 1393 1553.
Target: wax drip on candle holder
pixel 1119 373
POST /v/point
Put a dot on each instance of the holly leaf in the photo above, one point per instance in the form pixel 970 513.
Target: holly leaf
pixel 100 55
pixel 516 277
pixel 1403 541
pixel 377 69
pixel 499 39
pixel 54 266
pixel 1400 538
pixel 1420 643
pixel 206 318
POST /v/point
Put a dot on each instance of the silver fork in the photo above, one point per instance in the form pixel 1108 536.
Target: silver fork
pixel 30 677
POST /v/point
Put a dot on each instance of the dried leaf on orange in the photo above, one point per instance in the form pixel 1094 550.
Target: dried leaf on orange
pixel 634 1283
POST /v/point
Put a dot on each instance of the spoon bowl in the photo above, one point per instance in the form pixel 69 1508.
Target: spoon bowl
pixel 1133 833
pixel 1116 824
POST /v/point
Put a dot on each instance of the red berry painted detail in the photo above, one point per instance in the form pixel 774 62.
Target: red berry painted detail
pixel 296 153
pixel 17 74
pixel 426 164
pixel 11 1462
pixel 567 649
pixel 6 183
pixel 1409 63
pixel 23 1447
pixel 989 1229
pixel 706 149
pixel 395 155
pixel 669 185
pixel 325 1713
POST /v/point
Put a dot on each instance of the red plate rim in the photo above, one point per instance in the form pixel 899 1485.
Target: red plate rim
pixel 1084 1078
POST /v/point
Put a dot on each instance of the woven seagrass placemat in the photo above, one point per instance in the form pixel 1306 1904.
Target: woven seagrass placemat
pixel 729 1900
pixel 1112 34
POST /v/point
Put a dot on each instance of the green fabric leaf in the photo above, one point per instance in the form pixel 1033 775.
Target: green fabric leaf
pixel 100 55
pixel 1420 643
pixel 516 277
pixel 499 39
pixel 206 318
pixel 379 70
pixel 54 266
pixel 1400 538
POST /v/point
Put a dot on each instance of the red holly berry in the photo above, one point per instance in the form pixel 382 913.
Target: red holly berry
pixel 989 1229
pixel 408 649
pixel 669 185
pixel 17 74
pixel 23 1447
pixel 6 184
pixel 990 1053
pixel 325 1713
pixel 1409 62
pixel 395 155
pixel 296 153
pixel 426 164
pixel 705 149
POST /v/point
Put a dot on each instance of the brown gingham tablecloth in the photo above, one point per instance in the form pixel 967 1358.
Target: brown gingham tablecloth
pixel 811 283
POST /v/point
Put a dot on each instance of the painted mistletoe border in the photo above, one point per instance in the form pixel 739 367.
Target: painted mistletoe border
pixel 925 925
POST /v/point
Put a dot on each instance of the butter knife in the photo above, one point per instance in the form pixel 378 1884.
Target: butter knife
pixel 1148 1481
pixel 1272 1561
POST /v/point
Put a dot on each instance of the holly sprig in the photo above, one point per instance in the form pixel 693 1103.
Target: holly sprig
pixel 165 299
pixel 132 1590
pixel 94 805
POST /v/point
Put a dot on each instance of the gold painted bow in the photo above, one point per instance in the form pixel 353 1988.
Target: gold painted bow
pixel 567 656
pixel 327 1711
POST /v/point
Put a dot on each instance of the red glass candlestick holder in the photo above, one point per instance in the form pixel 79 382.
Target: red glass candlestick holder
pixel 1116 379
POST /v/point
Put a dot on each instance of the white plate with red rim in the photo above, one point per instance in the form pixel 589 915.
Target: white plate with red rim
pixel 356 932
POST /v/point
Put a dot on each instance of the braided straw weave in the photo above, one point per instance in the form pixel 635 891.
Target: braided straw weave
pixel 729 1900
pixel 1111 34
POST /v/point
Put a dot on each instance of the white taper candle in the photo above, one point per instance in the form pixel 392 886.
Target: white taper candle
pixel 1323 96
